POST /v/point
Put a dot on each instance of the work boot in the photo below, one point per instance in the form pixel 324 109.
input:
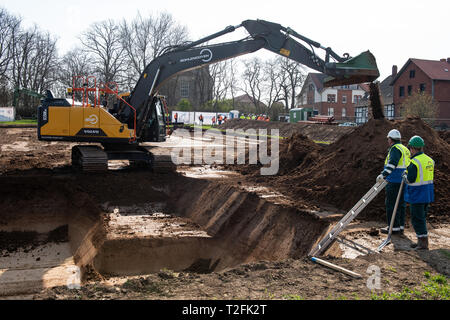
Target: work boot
pixel 394 230
pixel 422 244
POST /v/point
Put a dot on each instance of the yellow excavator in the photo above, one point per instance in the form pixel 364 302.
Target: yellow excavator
pixel 140 116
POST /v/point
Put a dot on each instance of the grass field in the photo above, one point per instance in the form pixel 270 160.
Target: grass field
pixel 13 123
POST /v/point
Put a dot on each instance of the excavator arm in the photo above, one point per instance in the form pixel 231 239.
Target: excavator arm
pixel 262 34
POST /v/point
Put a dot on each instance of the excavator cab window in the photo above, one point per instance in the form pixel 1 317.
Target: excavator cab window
pixel 161 126
pixel 159 113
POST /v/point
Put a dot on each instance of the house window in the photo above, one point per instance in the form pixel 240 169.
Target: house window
pixel 412 74
pixel 331 98
pixel 184 89
pixel 344 112
pixel 311 87
pixel 331 111
pixel 422 87
pixel 344 99
pixel 361 114
pixel 389 111
pixel 402 92
pixel 409 90
pixel 356 99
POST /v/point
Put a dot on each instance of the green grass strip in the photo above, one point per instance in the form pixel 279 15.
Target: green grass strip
pixel 26 121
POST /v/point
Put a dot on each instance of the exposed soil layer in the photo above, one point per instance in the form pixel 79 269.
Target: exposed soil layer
pixel 201 226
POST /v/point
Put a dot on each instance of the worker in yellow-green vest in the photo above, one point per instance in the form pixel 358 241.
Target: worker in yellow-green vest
pixel 419 191
pixel 395 165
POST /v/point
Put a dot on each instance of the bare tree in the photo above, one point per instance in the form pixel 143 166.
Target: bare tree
pixel 22 52
pixel 292 77
pixel 203 85
pixel 272 81
pixel 144 39
pixel 233 80
pixel 9 28
pixel 253 82
pixel 44 64
pixel 103 42
pixel 33 66
pixel 73 63
pixel 219 74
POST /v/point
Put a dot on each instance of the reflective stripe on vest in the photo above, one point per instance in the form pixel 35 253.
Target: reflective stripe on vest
pixel 403 163
pixel 421 190
pixel 423 176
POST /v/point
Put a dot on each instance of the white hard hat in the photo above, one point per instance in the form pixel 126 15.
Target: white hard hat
pixel 394 134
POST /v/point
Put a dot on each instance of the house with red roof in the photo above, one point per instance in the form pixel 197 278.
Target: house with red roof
pixel 338 102
pixel 430 76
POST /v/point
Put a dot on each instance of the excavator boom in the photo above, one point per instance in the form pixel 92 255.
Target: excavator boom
pixel 262 34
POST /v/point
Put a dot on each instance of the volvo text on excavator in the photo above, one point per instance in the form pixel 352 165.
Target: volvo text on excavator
pixel 139 117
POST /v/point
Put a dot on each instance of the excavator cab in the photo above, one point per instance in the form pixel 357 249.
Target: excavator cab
pixel 155 128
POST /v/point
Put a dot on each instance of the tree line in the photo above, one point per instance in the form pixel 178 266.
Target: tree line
pixel 118 51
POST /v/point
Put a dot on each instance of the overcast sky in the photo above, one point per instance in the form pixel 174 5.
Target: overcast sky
pixel 393 30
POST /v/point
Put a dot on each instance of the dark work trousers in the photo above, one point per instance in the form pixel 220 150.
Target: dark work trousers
pixel 391 196
pixel 418 218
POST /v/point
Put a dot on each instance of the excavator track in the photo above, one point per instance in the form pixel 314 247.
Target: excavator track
pixel 90 158
pixel 95 159
pixel 163 164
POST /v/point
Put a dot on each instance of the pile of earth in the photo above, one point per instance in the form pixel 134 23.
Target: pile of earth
pixel 341 173
pixel 445 135
pixel 295 150
pixel 317 132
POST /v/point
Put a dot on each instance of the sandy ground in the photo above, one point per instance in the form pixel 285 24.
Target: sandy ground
pixel 138 213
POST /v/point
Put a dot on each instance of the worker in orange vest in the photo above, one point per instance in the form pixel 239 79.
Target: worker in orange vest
pixel 220 119
pixel 213 120
pixel 176 117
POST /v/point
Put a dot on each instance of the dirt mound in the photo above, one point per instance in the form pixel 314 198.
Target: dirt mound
pixel 445 135
pixel 347 169
pixel 295 150
pixel 317 132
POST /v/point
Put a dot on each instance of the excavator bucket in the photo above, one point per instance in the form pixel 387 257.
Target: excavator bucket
pixel 360 69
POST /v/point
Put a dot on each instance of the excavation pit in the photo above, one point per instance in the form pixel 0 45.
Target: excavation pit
pixel 79 227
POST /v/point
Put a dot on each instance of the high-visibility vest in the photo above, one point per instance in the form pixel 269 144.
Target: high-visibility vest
pixel 403 163
pixel 421 190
